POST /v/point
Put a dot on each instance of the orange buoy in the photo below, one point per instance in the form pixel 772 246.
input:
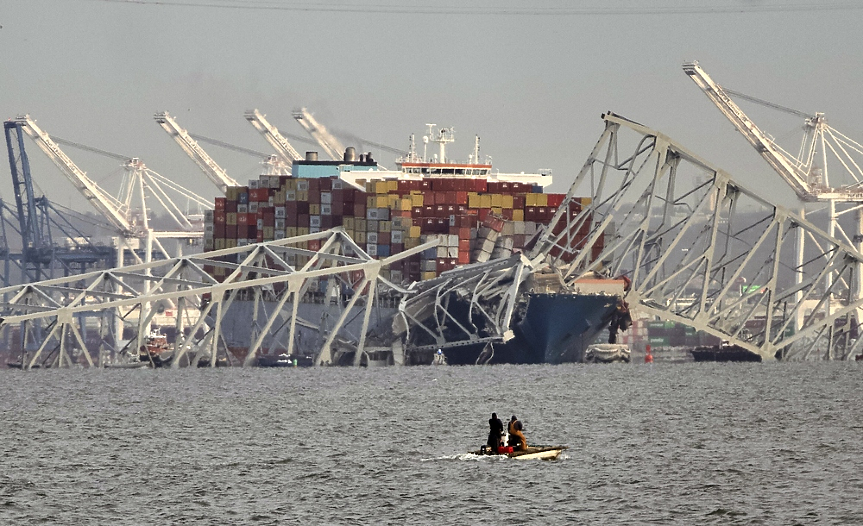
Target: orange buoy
pixel 648 358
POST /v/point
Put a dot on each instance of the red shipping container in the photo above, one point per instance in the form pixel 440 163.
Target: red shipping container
pixel 480 185
pixel 314 244
pixel 464 257
pixel 440 211
pixel 461 198
pixel 395 248
pixel 231 231
pixel 251 231
pixel 554 200
pixel 428 225
pixel 219 217
pixel 326 184
pixel 314 186
pixel 260 236
pixel 417 211
pixel 219 230
pixel 338 208
pixel 360 209
pixel 463 233
pixel 384 238
pixel 483 213
pixel 404 186
pixel 493 187
pixel 326 222
pixel 507 214
pixel 231 207
pixel 428 211
pixel 425 185
pixel 464 244
pixel 220 203
pixel 303 220
pixel 242 219
pixel 461 185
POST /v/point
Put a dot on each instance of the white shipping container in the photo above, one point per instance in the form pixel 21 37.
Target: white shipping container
pixel 326 198
pixel 372 238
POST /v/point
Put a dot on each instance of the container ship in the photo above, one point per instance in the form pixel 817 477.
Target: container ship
pixel 475 214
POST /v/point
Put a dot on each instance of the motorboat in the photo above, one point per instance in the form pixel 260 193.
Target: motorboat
pixel 533 452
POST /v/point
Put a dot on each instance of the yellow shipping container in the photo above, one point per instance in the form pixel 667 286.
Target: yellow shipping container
pixel 231 218
pixel 485 201
pixel 291 184
pixel 385 226
pixel 428 275
pixel 530 200
pixel 415 232
pixel 370 187
pixel 541 199
pixel 371 201
pixel 219 243
pixel 393 185
pixel 302 195
pixel 268 233
pixel 348 222
pixel 406 204
pixel 360 224
pixel 496 210
pixel 314 210
pixel 303 231
pixel 381 187
pixel 231 193
pixel 416 199
pixel 473 200
pixel 360 236
pixel 230 243
pixel 290 231
pixel 411 242
pixel 381 201
pixel 586 201
pixel 507 202
pixel 518 215
pixel 496 200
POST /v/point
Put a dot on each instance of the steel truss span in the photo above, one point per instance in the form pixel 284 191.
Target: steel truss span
pixel 53 317
pixel 703 250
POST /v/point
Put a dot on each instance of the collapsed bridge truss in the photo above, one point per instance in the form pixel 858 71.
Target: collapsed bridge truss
pixel 701 249
pixel 55 315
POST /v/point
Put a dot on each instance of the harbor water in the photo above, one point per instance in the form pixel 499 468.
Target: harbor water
pixel 685 443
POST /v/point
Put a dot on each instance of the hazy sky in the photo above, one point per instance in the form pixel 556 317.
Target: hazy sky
pixel 531 81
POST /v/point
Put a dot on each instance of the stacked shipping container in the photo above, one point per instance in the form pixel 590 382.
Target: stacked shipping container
pixel 472 219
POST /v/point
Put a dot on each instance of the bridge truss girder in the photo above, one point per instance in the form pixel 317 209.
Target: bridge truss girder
pixel 688 236
pixel 58 308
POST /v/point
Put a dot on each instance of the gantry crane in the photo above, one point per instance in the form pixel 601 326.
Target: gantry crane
pixel 213 171
pixel 130 222
pixel 319 133
pixel 283 148
pixel 807 172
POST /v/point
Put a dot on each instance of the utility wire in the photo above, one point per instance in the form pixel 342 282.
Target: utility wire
pixel 499 10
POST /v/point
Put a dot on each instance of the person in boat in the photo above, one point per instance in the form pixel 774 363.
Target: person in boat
pixel 495 432
pixel 516 435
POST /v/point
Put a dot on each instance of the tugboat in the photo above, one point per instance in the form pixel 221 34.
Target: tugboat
pixel 156 350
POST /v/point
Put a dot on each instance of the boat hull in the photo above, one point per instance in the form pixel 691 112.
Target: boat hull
pixel 532 453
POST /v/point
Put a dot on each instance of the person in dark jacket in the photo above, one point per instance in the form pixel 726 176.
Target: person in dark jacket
pixel 495 432
pixel 516 436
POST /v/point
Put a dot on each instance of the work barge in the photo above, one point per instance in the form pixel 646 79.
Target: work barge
pixel 643 210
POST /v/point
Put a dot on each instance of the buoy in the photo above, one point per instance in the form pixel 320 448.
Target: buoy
pixel 648 358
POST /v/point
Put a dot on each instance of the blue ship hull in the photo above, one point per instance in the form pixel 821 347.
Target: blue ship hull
pixel 555 328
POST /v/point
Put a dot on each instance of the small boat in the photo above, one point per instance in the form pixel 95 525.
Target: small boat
pixel 533 452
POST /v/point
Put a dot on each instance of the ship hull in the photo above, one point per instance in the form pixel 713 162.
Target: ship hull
pixel 555 328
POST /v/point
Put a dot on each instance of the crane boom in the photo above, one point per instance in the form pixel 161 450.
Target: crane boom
pixel 103 202
pixel 283 148
pixel 212 170
pixel 325 139
pixel 757 138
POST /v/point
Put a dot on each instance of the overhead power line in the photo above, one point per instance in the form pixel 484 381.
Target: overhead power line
pixel 406 9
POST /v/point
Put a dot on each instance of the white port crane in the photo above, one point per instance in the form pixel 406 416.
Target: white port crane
pixel 106 204
pixel 283 148
pixel 807 172
pixel 128 214
pixel 213 171
pixel 331 146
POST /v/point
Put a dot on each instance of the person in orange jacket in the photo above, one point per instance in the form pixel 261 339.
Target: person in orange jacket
pixel 516 435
